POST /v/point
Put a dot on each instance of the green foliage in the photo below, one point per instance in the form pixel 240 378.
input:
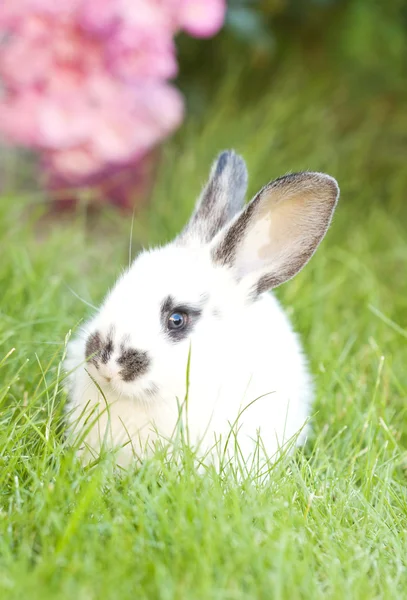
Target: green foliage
pixel 331 521
pixel 361 42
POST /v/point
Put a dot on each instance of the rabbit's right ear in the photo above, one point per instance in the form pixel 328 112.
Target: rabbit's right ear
pixel 278 231
pixel 221 199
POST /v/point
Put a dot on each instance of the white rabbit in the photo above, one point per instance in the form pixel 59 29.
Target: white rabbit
pixel 200 309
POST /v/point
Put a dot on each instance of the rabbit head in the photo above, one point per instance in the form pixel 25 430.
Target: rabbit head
pixel 193 294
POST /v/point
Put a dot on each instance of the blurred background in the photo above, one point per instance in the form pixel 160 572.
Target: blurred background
pixel 100 97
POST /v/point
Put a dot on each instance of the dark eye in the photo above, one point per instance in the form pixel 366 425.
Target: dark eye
pixel 177 320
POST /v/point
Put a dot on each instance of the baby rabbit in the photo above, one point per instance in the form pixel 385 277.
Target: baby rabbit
pixel 191 334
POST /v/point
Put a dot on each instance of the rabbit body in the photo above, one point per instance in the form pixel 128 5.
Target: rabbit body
pixel 240 353
pixel 191 334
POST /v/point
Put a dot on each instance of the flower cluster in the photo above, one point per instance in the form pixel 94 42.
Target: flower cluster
pixel 85 82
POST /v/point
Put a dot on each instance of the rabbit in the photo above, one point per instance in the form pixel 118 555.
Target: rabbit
pixel 192 329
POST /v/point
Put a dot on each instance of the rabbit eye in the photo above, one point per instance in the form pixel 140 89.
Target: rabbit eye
pixel 177 321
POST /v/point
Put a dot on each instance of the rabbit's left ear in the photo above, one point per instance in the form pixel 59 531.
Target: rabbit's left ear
pixel 221 199
pixel 278 231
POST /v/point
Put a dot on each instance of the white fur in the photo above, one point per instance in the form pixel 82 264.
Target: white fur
pixel 245 351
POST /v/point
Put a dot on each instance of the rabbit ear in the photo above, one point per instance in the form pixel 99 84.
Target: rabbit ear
pixel 221 199
pixel 278 231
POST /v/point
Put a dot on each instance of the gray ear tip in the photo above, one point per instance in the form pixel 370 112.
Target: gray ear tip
pixel 231 163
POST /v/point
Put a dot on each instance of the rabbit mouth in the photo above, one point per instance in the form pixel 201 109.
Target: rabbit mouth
pixel 143 392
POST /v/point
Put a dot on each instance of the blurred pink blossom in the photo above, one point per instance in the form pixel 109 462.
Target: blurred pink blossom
pixel 85 82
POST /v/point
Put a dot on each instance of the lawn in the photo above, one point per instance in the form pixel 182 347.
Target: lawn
pixel 331 522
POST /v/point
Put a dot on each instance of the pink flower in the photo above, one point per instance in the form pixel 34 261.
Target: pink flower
pixel 201 18
pixel 149 57
pixel 85 81
pixel 129 123
pixel 19 118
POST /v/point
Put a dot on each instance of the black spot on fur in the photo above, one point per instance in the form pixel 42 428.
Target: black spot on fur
pixel 134 363
pixel 96 350
pixel 107 349
pixel 93 348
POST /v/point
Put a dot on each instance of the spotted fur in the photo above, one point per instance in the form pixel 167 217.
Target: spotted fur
pixel 93 347
pixel 133 363
pixel 242 356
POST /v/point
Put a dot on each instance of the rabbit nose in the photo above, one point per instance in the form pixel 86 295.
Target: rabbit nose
pixel 108 372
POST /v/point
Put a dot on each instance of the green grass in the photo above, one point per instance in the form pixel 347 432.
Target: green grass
pixel 332 520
